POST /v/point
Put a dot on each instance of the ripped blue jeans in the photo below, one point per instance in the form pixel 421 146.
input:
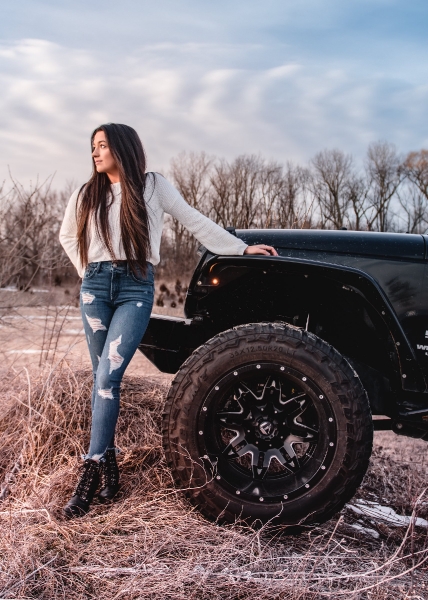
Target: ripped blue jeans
pixel 116 305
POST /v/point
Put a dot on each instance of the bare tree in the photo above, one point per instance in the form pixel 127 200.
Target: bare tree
pixel 415 168
pixel 190 174
pixel 414 205
pixel 357 189
pixel 384 174
pixel 272 190
pixel 245 192
pixel 235 191
pixel 29 244
pixel 330 185
pixel 294 208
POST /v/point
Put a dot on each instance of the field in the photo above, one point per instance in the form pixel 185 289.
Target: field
pixel 151 544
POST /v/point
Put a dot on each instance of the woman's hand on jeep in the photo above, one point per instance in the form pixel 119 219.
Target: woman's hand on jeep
pixel 261 249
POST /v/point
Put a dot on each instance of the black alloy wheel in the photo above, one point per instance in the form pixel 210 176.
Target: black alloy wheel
pixel 264 433
pixel 267 422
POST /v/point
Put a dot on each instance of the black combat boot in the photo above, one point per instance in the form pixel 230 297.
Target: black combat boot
pixel 109 477
pixel 79 503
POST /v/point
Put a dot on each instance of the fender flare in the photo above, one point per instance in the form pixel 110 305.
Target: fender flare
pixel 366 286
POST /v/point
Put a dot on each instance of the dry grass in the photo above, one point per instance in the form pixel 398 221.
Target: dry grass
pixel 151 544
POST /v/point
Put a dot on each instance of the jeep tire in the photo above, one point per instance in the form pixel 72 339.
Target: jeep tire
pixel 267 423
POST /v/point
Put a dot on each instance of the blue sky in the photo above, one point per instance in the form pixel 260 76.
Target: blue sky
pixel 282 78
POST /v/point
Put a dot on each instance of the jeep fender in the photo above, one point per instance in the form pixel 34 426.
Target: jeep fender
pixel 169 341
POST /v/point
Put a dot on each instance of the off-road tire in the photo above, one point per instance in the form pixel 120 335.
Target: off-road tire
pixel 269 380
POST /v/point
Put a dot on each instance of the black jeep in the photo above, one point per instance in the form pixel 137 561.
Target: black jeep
pixel 281 363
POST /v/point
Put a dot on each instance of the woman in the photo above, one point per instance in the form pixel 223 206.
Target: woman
pixel 111 232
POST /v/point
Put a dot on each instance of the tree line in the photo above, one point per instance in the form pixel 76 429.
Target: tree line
pixel 388 193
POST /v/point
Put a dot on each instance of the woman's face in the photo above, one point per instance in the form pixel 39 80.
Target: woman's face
pixel 103 159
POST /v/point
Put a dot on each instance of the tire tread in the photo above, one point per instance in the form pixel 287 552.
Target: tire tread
pixel 349 389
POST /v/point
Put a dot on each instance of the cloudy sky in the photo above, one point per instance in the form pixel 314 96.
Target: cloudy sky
pixel 283 78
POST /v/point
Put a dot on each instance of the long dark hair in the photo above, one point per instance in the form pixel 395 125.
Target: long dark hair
pixel 128 152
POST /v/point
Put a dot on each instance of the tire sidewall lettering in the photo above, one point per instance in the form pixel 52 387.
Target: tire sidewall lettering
pixel 256 349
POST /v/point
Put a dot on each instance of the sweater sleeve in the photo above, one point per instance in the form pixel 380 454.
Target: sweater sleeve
pixel 68 233
pixel 216 239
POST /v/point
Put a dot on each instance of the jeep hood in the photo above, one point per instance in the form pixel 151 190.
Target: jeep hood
pixel 364 243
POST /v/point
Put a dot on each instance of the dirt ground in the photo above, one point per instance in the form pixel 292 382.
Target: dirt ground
pixel 44 326
pixel 151 544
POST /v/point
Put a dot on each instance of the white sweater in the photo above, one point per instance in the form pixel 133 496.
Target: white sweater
pixel 164 198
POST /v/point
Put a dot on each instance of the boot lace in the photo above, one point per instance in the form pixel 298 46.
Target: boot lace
pixel 109 470
pixel 88 480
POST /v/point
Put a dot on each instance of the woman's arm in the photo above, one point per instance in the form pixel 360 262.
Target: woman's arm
pixel 68 233
pixel 216 239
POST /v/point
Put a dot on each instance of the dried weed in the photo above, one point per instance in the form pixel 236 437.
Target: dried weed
pixel 150 543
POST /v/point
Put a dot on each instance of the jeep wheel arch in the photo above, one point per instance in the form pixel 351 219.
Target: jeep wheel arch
pixel 289 289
